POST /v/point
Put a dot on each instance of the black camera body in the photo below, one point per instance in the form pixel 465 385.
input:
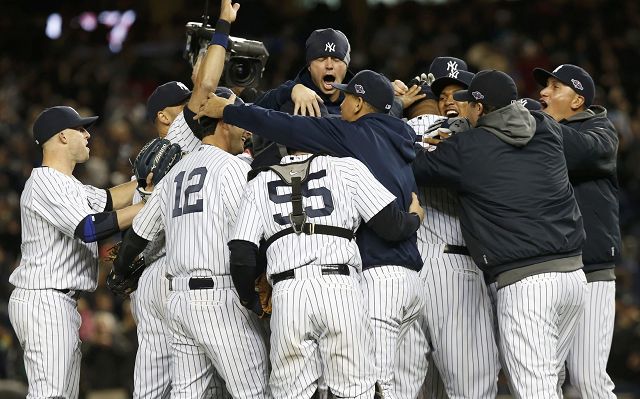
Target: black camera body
pixel 245 59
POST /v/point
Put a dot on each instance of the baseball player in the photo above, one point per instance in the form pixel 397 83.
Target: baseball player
pixel 521 224
pixel 319 324
pixel 166 110
pixel 148 303
pixel 457 312
pixel 197 204
pixel 590 148
pixel 61 221
pixel 327 55
pixel 385 145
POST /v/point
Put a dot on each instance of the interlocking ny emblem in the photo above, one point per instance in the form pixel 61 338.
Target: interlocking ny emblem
pixel 182 86
pixel 577 84
pixel 477 95
pixel 331 47
pixel 359 89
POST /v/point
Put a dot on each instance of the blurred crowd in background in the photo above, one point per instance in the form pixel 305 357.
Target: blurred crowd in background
pixel 78 69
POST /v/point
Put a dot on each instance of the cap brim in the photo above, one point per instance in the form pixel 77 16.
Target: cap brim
pixel 341 87
pixel 541 75
pixel 463 95
pixel 439 84
pixel 87 121
pixel 463 79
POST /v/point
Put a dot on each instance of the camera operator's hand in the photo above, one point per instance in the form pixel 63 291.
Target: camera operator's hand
pixel 214 106
pixel 228 11
pixel 305 101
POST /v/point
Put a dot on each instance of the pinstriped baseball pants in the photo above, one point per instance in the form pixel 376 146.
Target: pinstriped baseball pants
pixel 589 353
pixel 211 329
pixel 537 320
pixel 394 296
pixel 319 326
pixel 47 324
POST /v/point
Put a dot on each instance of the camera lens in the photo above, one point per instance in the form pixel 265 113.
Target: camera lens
pixel 241 72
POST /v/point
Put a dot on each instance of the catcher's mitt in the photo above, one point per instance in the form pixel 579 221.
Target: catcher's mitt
pixel 124 284
pixel 157 156
pixel 264 289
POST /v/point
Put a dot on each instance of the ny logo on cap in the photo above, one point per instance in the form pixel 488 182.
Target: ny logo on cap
pixel 331 47
pixel 359 89
pixel 522 101
pixel 477 95
pixel 452 67
pixel 577 84
pixel 182 86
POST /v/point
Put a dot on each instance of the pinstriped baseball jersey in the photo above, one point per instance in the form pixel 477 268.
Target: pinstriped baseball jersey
pixel 180 133
pixel 338 192
pixel 456 299
pixel 51 206
pixel 206 187
pixel 442 226
pixel 421 123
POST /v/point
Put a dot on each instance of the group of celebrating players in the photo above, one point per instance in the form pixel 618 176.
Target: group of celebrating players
pixel 417 238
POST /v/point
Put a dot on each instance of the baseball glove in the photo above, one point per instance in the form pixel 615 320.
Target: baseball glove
pixel 157 156
pixel 124 284
pixel 264 289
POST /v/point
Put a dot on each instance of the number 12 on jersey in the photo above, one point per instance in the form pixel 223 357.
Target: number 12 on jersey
pixel 181 204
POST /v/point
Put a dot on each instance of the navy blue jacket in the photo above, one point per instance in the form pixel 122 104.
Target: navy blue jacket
pixel 517 206
pixel 590 148
pixel 382 142
pixel 276 98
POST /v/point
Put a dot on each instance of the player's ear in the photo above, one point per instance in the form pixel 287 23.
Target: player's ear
pixel 62 137
pixel 359 105
pixel 577 102
pixel 162 117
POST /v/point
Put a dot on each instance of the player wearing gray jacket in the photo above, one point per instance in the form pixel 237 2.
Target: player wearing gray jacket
pixel 521 223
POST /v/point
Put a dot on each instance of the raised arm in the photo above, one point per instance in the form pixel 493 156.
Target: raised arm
pixel 330 136
pixel 212 64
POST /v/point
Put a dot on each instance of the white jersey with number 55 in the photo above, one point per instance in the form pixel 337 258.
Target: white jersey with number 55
pixel 197 204
pixel 338 192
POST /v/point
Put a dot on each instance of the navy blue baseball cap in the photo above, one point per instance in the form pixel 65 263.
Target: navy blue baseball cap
pixel 328 43
pixel 530 104
pixel 571 75
pixel 444 66
pixel 459 77
pixel 166 95
pixel 439 68
pixel 372 87
pixel 489 87
pixel 53 120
